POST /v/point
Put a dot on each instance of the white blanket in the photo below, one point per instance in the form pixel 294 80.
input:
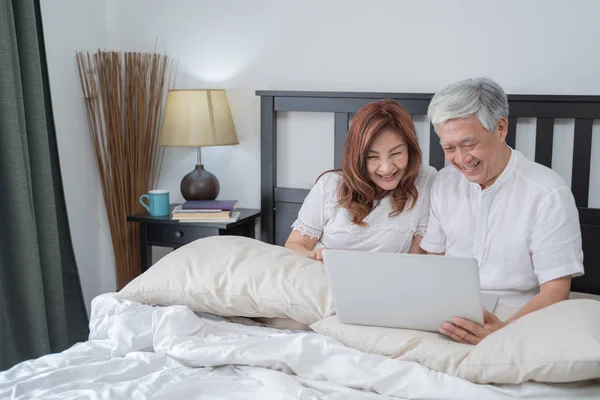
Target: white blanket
pixel 137 351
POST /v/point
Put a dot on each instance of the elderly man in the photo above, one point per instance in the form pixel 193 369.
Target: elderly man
pixel 516 217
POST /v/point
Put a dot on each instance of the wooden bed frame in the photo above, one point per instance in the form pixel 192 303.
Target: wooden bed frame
pixel 280 205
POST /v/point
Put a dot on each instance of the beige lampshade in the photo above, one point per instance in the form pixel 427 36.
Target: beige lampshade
pixel 197 118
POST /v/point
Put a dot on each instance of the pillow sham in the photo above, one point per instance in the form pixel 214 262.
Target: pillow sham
pixel 560 343
pixel 237 276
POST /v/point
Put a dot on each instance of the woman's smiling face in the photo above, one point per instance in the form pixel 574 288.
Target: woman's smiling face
pixel 387 159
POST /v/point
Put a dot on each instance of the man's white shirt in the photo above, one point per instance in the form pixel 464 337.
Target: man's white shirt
pixel 523 230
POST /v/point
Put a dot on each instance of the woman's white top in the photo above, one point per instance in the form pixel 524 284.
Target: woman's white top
pixel 321 217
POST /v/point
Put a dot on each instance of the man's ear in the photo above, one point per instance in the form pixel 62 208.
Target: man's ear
pixel 502 128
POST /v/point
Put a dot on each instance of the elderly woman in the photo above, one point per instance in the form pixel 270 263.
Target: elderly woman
pixel 379 199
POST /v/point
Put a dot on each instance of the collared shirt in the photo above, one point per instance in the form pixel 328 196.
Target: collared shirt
pixel 523 230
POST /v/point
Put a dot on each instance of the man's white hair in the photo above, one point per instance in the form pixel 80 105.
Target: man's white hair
pixel 481 97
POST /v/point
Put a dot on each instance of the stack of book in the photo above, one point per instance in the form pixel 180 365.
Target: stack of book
pixel 207 211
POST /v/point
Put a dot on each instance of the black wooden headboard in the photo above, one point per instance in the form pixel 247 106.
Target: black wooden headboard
pixel 280 205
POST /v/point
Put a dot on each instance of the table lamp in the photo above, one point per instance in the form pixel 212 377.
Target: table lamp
pixel 198 118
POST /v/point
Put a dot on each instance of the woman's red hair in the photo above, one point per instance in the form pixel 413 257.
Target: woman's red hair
pixel 358 193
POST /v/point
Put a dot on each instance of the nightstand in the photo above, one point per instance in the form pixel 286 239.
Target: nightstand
pixel 168 232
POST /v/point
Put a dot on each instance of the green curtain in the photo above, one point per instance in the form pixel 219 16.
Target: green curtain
pixel 41 306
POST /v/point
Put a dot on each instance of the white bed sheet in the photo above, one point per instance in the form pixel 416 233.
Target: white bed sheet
pixel 137 351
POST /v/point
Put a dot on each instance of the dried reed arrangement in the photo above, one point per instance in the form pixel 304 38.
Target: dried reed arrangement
pixel 124 97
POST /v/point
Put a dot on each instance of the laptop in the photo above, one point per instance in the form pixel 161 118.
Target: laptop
pixel 408 291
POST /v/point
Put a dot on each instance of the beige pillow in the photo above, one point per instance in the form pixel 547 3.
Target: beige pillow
pixel 560 343
pixel 431 349
pixel 237 276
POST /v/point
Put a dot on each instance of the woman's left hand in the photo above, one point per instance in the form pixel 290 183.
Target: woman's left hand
pixel 316 254
pixel 468 332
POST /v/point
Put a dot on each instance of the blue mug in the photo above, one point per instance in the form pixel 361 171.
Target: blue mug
pixel 158 202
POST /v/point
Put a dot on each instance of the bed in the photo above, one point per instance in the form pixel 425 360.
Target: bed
pixel 140 350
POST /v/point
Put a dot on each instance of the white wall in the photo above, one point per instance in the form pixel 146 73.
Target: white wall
pixel 541 47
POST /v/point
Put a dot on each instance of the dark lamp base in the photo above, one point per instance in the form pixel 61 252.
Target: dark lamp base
pixel 200 185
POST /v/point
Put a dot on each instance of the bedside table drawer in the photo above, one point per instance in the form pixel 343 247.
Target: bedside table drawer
pixel 167 232
pixel 177 235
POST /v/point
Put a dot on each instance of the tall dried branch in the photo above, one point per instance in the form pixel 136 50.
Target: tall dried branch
pixel 124 95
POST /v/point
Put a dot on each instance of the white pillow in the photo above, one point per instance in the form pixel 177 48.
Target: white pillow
pixel 560 343
pixel 237 276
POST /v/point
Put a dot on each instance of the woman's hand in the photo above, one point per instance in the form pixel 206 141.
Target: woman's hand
pixel 316 254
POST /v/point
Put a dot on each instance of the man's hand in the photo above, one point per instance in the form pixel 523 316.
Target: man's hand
pixel 465 331
pixel 316 254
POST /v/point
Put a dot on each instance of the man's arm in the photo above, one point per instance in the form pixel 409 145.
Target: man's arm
pixel 557 257
pixel 465 331
pixel 555 249
pixel 550 292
